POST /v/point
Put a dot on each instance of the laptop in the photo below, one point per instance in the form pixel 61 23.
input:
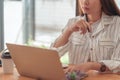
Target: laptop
pixel 38 63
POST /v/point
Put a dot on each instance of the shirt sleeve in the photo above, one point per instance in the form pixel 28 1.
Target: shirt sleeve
pixel 114 63
pixel 62 49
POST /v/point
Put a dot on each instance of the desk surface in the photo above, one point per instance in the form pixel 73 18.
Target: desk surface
pixel 92 75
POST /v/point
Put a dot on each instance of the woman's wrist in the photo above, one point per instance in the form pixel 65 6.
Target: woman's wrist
pixel 103 67
pixel 99 66
pixel 67 32
pixel 95 66
pixel 70 30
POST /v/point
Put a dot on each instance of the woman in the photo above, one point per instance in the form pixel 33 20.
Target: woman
pixel 92 45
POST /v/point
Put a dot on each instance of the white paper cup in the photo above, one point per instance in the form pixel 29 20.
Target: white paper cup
pixel 7 66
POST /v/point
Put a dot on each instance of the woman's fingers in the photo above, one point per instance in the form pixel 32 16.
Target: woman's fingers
pixel 84 26
pixel 69 69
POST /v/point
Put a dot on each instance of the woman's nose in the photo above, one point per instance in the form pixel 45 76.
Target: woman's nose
pixel 86 2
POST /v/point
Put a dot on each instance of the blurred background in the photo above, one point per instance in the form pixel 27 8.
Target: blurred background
pixel 35 22
pixel 41 20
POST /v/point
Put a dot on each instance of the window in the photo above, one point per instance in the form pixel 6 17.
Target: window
pixel 13 21
pixel 118 3
pixel 51 16
pixel 1 26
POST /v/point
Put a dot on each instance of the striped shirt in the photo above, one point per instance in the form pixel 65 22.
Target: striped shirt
pixel 100 45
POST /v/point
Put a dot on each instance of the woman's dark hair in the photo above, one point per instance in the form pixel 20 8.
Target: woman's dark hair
pixel 109 7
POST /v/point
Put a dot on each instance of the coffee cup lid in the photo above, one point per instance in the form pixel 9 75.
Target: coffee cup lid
pixel 6 55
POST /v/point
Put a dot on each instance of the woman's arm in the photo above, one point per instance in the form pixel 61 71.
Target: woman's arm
pixel 86 67
pixel 114 63
pixel 63 39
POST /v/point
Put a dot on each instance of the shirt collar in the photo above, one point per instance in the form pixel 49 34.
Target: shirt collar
pixel 106 19
pixel 105 22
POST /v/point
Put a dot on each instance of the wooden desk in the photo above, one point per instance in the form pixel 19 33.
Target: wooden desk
pixel 14 76
pixel 93 75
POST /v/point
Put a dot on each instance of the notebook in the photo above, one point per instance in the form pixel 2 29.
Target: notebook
pixel 38 63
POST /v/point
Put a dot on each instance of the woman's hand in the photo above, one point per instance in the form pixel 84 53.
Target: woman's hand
pixel 80 25
pixel 82 67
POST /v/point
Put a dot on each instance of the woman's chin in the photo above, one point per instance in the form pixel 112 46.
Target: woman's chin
pixel 86 12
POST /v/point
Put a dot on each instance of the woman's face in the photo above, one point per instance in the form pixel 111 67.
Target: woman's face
pixel 90 6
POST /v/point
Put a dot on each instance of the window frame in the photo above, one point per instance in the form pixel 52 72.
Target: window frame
pixel 1 25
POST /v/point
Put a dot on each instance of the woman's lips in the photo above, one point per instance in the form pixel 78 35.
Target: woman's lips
pixel 85 8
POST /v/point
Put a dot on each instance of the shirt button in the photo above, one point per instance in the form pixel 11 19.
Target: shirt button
pixel 91 49
pixel 93 36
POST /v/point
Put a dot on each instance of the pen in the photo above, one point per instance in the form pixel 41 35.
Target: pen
pixel 86 18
